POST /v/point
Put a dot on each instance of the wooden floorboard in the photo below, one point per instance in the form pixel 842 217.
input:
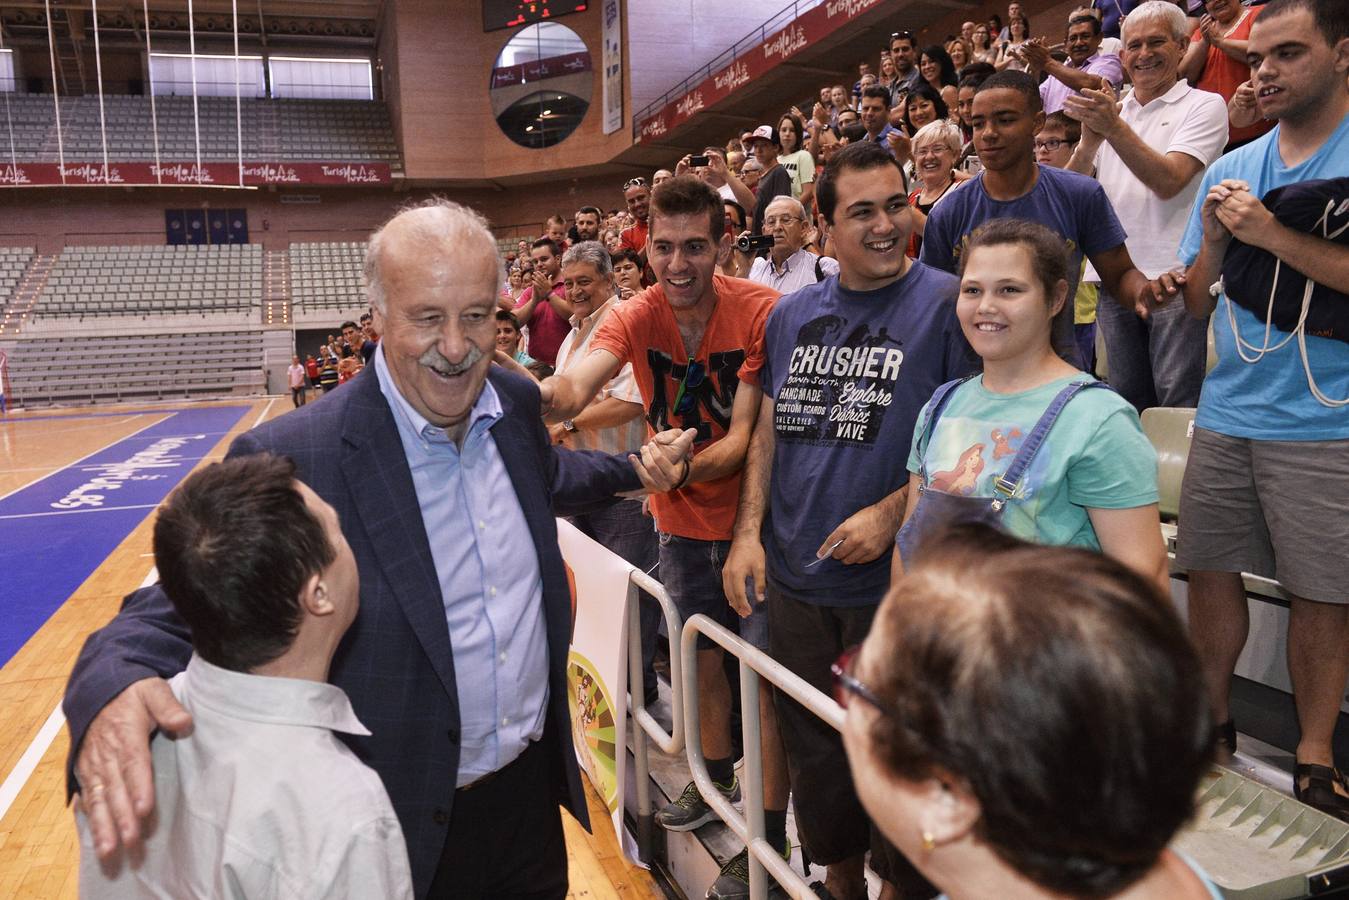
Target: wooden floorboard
pixel 39 851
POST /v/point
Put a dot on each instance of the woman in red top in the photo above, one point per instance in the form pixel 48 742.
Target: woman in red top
pixel 1216 59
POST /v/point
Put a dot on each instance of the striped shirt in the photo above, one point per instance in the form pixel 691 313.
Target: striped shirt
pixel 576 347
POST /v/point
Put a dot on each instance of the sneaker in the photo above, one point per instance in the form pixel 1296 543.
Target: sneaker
pixel 689 810
pixel 733 881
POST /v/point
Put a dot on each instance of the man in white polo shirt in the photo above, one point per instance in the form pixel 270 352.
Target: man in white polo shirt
pixel 1149 157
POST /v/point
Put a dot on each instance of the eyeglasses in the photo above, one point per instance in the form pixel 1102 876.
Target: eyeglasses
pixel 847 686
pixel 771 221
pixel 686 398
pixel 639 181
pixel 1050 145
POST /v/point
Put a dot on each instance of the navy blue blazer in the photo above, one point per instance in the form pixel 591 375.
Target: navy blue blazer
pixel 396 662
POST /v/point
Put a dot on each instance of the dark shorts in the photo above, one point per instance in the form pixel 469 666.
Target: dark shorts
pixel 690 569
pixel 1271 508
pixel 830 820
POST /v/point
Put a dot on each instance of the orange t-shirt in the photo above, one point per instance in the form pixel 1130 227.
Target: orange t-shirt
pixel 642 330
pixel 634 238
pixel 1223 75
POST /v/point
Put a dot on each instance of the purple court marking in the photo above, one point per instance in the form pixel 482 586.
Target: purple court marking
pixel 56 532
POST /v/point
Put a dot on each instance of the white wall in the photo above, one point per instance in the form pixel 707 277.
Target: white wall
pixel 669 39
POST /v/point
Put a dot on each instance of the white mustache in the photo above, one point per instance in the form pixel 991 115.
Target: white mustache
pixel 434 359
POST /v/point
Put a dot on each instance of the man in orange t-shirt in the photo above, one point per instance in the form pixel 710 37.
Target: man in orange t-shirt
pixel 695 341
pixel 637 196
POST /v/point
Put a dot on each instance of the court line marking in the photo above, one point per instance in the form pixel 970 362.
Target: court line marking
pixel 68 465
pixel 266 409
pixel 27 764
pixel 71 512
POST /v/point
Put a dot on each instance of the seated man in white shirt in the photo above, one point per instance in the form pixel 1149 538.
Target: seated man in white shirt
pixel 258 799
pixel 789 266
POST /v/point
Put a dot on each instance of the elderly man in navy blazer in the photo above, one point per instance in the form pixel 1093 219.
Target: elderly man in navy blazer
pixel 441 472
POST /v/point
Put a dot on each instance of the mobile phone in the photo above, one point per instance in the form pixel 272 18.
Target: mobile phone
pixel 699 161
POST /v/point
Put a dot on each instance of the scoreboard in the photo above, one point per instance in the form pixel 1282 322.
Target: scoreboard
pixel 497 14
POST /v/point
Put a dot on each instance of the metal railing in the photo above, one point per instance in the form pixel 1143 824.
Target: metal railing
pixel 754 663
pixel 781 19
pixel 645 725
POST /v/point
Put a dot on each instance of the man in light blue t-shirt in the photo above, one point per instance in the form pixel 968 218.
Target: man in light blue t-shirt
pixel 1268 473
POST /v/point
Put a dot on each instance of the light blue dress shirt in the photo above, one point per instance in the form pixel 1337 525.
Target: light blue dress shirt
pixel 489 579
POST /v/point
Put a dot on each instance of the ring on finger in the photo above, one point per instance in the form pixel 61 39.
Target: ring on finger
pixel 96 791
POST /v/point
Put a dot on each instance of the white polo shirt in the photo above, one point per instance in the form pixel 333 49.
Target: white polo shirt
pixel 1182 120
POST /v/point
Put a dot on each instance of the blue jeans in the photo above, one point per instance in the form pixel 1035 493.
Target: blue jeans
pixel 624 531
pixel 1158 361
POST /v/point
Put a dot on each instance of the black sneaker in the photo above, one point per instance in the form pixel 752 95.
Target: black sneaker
pixel 733 881
pixel 689 810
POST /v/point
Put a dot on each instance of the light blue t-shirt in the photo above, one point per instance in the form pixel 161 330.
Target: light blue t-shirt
pixel 1095 457
pixel 1269 400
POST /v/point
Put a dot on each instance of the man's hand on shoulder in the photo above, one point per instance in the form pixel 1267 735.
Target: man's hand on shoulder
pixel 117 787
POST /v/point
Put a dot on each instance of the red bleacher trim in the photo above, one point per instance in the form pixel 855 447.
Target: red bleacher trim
pixel 180 173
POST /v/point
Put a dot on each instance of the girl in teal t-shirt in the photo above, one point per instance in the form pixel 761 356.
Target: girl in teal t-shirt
pixel 1093 482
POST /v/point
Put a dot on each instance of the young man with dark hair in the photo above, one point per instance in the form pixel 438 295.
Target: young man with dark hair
pixel 1247 504
pixel 904 54
pixel 588 224
pixel 356 342
pixel 543 306
pixel 371 335
pixel 637 196
pixel 848 365
pixel 1006 117
pixel 260 798
pixel 695 342
pixel 774 180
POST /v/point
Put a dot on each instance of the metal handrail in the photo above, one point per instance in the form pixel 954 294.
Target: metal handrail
pixel 670 742
pixel 725 58
pixel 749 827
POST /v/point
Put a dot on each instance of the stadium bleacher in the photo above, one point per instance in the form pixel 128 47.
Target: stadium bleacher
pixel 327 275
pixel 13 261
pixel 152 281
pixel 122 367
pixel 272 130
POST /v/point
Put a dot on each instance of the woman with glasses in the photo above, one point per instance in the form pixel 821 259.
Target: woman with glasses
pixel 1032 443
pixel 1029 721
pixel 983 51
pixel 935 148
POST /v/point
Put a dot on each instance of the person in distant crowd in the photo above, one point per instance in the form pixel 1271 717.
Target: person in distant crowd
pixel 637 195
pixel 863 70
pixel 613 242
pixel 1216 59
pixel 795 158
pixel 627 266
pixel 261 798
pixel 875 117
pixel 446 487
pixel 1054 146
pixel 328 375
pixel 939 72
pixel 695 343
pixel 821 499
pixel 1080 799
pixel 1006 116
pixel 718 174
pixel 904 52
pixel 295 376
pixel 839 100
pixel 555 229
pixel 1009 51
pixel 311 371
pixel 936 147
pixel 660 176
pixel 371 334
pixel 508 338
pixel 587 224
pixel 750 171
pixel 354 336
pixel 983 43
pixel 349 367
pixel 1149 155
pixel 543 307
pixel 1086 67
pixel 1272 409
pixel 788 265
pixel 774 180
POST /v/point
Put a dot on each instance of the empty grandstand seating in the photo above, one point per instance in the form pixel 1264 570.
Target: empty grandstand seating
pixel 154 366
pixel 327 275
pixel 153 281
pixel 13 260
pixel 273 130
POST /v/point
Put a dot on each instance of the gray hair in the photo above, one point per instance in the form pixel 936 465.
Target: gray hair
pixel 592 252
pixel 788 200
pixel 437 223
pixel 940 130
pixel 1154 10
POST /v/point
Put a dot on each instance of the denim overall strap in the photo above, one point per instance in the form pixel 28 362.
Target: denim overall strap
pixel 1006 484
pixel 934 408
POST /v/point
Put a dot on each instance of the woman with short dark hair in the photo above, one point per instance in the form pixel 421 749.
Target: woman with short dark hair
pixel 1029 721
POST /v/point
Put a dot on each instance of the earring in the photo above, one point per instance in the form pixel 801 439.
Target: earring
pixel 929 842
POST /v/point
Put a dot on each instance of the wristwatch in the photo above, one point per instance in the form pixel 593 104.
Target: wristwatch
pixel 568 424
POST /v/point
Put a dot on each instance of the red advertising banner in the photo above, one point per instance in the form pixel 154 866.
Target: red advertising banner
pixel 808 28
pixel 539 69
pixel 148 174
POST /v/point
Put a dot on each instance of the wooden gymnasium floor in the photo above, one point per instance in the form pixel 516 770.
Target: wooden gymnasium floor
pixel 38 847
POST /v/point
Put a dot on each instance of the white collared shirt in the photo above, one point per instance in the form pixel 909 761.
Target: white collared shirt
pixel 798 271
pixel 1183 120
pixel 576 347
pixel 261 800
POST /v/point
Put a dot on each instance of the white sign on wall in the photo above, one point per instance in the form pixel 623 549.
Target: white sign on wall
pixel 613 65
